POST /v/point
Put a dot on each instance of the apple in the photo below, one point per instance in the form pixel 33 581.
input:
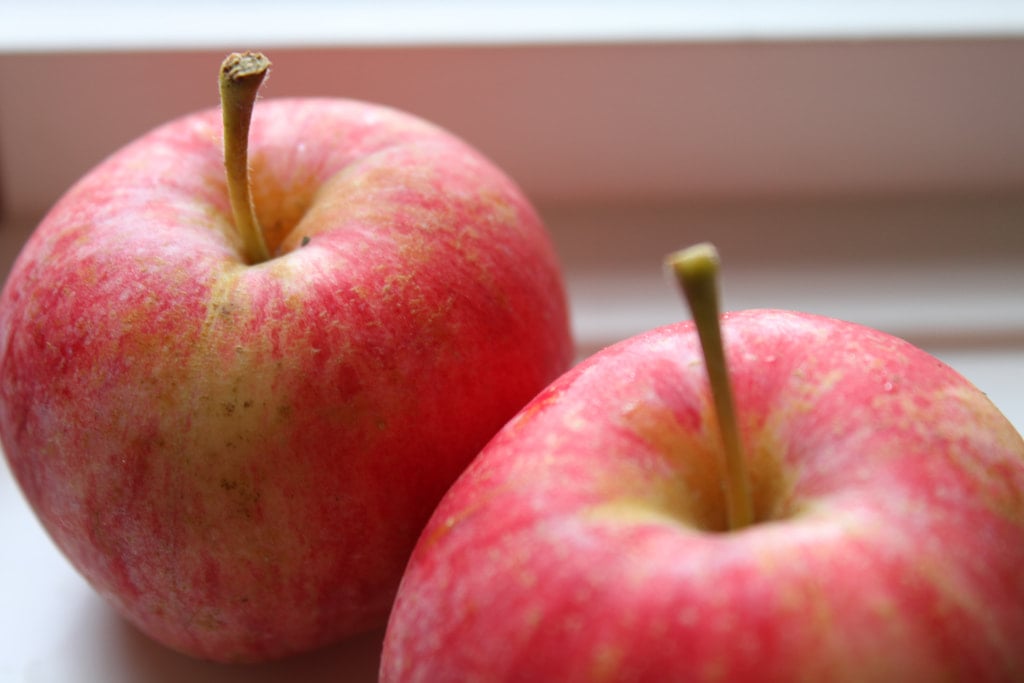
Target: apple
pixel 236 379
pixel 843 507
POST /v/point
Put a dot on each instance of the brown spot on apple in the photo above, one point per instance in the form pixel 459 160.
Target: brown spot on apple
pixel 281 200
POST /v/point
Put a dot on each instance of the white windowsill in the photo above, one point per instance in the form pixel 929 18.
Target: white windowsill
pixel 116 24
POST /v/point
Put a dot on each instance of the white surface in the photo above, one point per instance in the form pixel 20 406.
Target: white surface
pixel 118 24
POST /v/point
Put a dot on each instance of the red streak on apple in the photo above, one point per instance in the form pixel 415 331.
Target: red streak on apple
pixel 241 457
pixel 587 542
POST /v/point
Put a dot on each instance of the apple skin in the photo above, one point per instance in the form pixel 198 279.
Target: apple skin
pixel 586 542
pixel 241 457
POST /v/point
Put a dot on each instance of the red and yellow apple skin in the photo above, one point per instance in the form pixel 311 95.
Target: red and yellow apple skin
pixel 241 457
pixel 586 542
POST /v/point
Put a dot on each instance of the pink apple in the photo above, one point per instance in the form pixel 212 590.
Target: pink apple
pixel 588 540
pixel 239 452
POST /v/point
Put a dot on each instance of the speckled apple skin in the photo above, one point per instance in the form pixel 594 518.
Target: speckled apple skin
pixel 585 543
pixel 240 458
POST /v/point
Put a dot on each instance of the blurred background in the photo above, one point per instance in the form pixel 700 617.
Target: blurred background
pixel 863 160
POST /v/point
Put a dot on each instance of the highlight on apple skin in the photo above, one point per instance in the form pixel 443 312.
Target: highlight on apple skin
pixel 238 451
pixel 590 540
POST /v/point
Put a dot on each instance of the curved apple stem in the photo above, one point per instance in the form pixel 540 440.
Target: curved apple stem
pixel 240 78
pixel 696 271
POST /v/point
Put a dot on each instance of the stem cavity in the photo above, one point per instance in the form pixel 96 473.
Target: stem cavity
pixel 240 78
pixel 696 270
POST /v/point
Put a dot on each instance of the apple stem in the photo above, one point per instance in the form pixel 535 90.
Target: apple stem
pixel 696 271
pixel 240 78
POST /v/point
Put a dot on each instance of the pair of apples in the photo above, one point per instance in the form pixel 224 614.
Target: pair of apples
pixel 265 388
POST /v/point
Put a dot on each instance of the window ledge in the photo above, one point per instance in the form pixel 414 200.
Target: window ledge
pixel 114 24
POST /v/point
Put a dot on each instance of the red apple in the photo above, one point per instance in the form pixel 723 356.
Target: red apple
pixel 238 444
pixel 881 537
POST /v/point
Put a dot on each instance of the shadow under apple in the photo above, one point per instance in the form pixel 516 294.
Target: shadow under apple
pixel 108 649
